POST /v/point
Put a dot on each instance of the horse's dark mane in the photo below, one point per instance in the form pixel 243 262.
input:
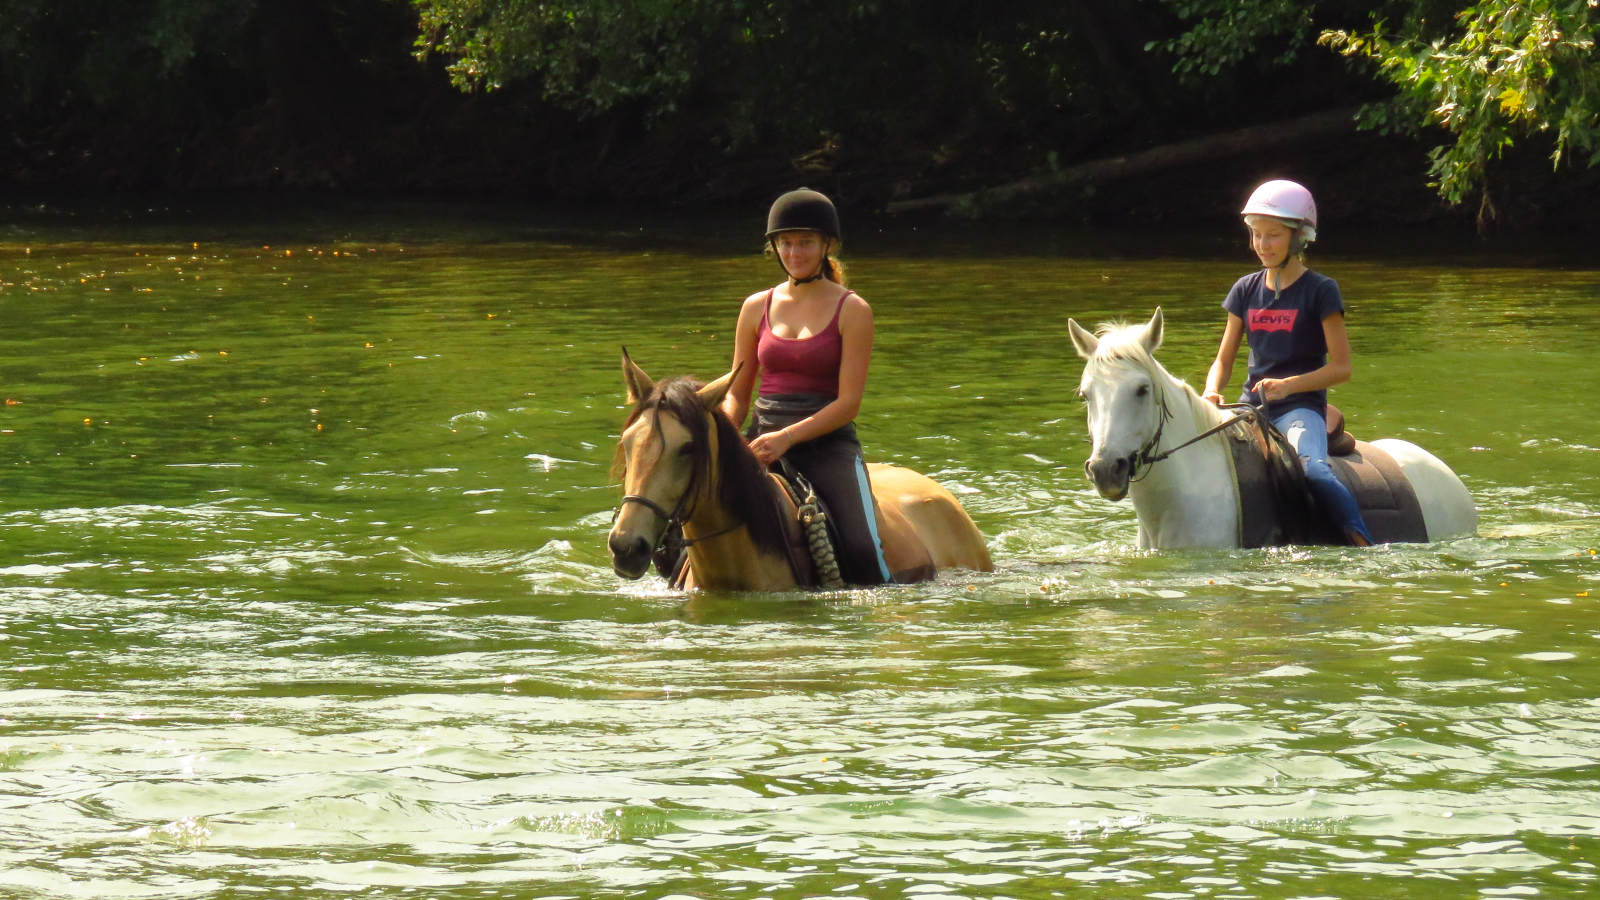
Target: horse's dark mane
pixel 744 489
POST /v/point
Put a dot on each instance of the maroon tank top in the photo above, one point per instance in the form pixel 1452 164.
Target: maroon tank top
pixel 801 365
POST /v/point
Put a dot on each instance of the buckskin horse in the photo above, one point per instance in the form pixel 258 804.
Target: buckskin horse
pixel 680 461
pixel 1157 441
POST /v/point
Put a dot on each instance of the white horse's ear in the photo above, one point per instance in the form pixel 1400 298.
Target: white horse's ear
pixel 1152 331
pixel 1085 342
pixel 639 384
pixel 711 395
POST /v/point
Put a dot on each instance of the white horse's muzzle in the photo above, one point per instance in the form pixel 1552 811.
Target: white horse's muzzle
pixel 1110 475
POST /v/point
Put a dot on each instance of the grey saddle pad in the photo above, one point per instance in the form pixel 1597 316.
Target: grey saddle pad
pixel 1387 500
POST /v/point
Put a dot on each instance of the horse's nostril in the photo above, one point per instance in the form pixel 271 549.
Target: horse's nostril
pixel 630 555
pixel 623 546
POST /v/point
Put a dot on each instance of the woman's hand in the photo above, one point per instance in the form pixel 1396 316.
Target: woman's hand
pixel 1273 388
pixel 1214 398
pixel 771 447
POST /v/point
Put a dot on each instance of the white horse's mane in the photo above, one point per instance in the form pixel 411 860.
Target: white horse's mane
pixel 1122 346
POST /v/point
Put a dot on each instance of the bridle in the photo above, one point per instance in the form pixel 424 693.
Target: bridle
pixel 676 518
pixel 1146 456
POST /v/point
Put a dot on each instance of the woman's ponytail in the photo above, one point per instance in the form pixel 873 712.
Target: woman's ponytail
pixel 833 270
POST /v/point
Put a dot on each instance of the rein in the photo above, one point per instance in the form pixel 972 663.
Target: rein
pixel 674 519
pixel 1146 457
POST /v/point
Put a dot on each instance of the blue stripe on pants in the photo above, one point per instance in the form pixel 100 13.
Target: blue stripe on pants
pixel 865 487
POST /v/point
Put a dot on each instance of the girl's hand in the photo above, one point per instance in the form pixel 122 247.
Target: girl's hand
pixel 771 447
pixel 1213 397
pixel 1272 388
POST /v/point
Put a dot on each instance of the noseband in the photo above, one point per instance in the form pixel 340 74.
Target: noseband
pixel 674 519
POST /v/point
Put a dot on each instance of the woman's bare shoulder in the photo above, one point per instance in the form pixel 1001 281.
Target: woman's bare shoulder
pixel 754 304
pixel 855 304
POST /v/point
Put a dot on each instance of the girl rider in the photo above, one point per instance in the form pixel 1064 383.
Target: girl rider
pixel 1294 319
pixel 810 341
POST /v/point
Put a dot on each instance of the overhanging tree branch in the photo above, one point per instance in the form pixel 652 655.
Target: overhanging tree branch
pixel 1170 156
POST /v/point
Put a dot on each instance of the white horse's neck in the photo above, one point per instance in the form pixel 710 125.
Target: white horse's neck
pixel 1188 499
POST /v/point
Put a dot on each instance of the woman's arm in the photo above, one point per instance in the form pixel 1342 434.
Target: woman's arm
pixel 1337 371
pixel 855 327
pixel 1222 366
pixel 736 405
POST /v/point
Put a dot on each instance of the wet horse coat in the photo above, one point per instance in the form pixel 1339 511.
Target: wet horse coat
pixel 680 459
pixel 1138 411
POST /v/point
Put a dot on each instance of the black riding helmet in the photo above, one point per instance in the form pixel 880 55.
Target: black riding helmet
pixel 802 210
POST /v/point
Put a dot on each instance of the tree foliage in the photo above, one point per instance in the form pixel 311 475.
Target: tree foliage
pixel 753 67
pixel 1487 73
pixel 106 52
pixel 1224 33
pixel 699 100
pixel 944 84
pixel 1502 68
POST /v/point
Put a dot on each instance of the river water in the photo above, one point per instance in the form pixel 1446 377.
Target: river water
pixel 304 588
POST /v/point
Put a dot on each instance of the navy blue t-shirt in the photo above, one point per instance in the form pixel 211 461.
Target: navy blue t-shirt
pixel 1285 334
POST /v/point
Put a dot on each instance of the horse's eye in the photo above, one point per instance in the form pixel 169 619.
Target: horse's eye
pixel 1142 390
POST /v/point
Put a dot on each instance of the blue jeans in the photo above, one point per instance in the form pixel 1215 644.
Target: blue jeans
pixel 1308 434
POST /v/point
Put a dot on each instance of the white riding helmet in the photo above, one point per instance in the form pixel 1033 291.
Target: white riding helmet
pixel 1285 200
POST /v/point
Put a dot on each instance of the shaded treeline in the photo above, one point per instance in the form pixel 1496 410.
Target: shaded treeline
pixel 718 101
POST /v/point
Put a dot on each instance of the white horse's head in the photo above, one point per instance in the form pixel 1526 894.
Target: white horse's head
pixel 1124 388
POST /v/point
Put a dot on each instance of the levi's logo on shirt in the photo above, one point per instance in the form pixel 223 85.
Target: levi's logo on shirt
pixel 1273 319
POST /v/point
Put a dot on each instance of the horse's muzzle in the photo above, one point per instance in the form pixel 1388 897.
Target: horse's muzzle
pixel 1110 476
pixel 630 555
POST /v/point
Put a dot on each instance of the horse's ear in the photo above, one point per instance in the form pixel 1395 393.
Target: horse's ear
pixel 639 384
pixel 1083 340
pixel 1152 331
pixel 711 395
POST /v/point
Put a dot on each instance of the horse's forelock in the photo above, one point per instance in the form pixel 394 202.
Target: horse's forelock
pixel 745 491
pixel 1122 341
pixel 677 398
pixel 1121 347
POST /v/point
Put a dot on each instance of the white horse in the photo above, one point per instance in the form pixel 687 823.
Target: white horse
pixel 1189 499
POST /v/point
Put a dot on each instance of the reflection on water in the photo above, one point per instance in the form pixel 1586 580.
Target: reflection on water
pixel 305 588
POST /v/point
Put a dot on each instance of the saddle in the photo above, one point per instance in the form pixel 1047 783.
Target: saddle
pixel 1340 442
pixel 1276 507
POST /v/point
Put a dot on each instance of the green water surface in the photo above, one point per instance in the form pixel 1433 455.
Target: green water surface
pixel 304 589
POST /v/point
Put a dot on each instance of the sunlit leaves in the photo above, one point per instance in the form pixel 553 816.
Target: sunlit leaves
pixel 1503 68
pixel 1223 33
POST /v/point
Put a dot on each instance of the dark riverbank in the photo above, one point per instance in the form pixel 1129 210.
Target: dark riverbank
pixel 307 218
pixel 114 102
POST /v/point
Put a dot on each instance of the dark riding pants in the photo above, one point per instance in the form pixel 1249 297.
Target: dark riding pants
pixel 833 465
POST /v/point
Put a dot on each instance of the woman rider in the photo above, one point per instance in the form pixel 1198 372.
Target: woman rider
pixel 809 340
pixel 1294 319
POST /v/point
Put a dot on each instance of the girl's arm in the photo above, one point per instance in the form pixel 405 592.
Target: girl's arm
pixel 1222 366
pixel 1337 371
pixel 855 327
pixel 736 405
